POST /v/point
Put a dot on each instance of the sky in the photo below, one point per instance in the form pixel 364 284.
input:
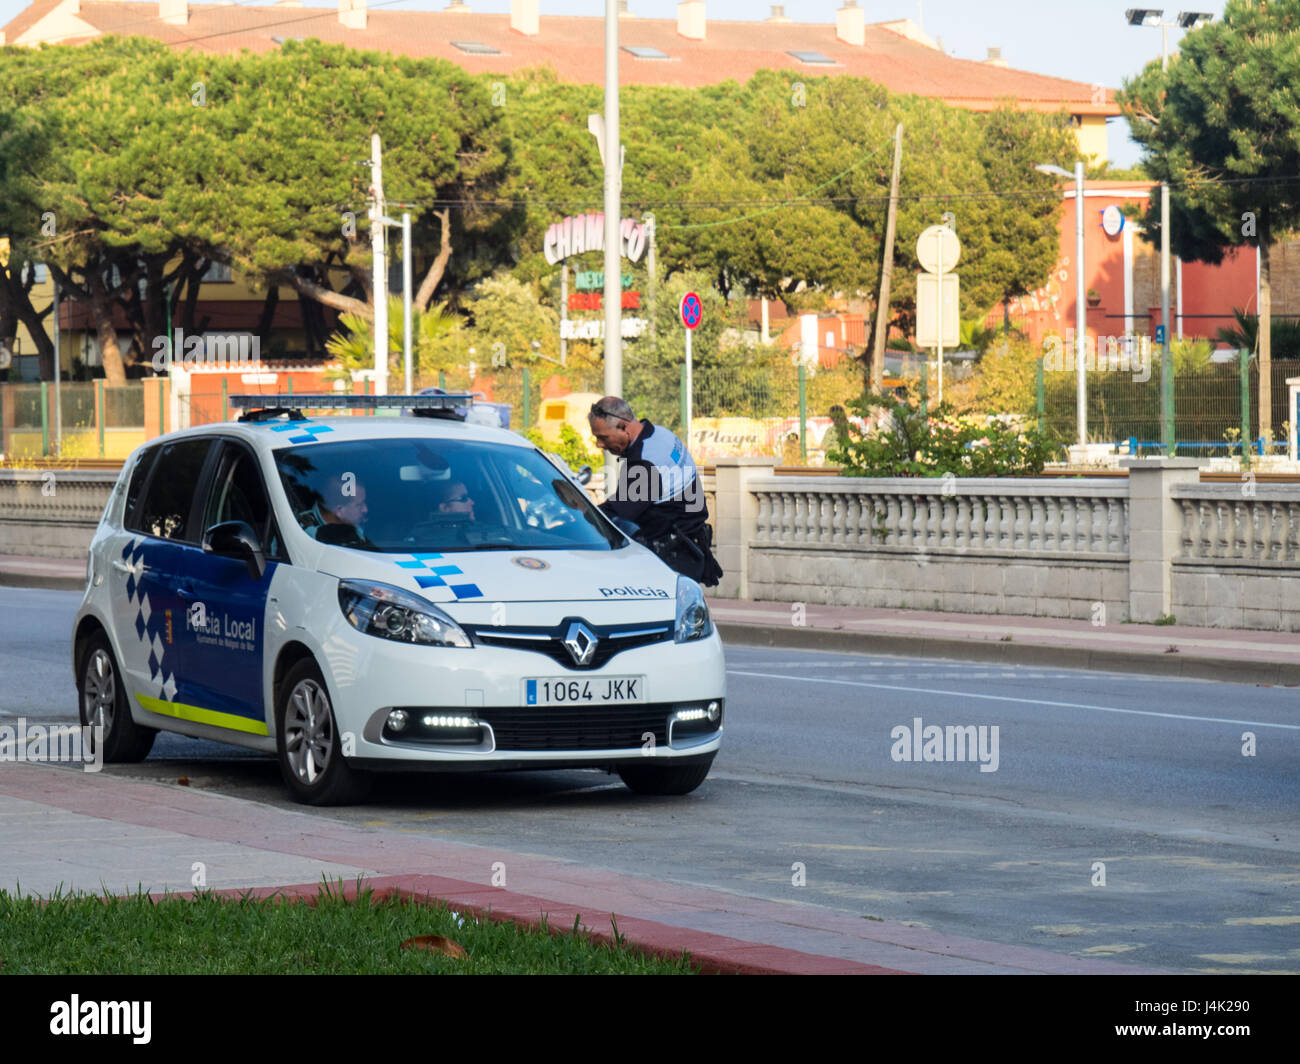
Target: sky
pixel 1084 40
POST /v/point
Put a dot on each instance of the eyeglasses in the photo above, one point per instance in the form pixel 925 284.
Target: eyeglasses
pixel 599 411
pixel 462 497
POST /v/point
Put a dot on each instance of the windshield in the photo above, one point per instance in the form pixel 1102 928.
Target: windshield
pixel 403 496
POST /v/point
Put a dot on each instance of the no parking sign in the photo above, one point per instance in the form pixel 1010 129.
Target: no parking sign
pixel 691 310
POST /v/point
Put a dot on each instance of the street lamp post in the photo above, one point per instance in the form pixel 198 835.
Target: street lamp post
pixel 1187 20
pixel 1080 301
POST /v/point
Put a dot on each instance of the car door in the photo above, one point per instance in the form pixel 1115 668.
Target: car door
pixel 152 584
pixel 225 666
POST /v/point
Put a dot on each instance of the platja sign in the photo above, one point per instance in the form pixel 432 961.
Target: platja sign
pixel 586 232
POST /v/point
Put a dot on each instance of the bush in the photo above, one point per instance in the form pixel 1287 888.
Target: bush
pixel 896 439
pixel 571 447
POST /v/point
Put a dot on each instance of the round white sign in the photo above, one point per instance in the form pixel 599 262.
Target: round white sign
pixel 1112 220
pixel 938 249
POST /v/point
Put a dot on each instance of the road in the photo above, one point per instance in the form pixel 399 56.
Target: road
pixel 1126 818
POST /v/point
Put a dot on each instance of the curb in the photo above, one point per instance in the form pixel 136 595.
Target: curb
pixel 1175 665
pixel 712 955
pixel 42 581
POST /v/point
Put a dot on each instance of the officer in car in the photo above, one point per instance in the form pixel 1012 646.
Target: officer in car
pixel 659 489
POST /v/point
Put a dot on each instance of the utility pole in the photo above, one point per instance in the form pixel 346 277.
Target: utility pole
pixel 613 212
pixel 406 297
pixel 1080 313
pixel 651 270
pixel 1166 356
pixel 886 271
pixel 380 265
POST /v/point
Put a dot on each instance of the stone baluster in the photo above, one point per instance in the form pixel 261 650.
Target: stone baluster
pixel 1243 533
pixel 1037 528
pixel 1005 516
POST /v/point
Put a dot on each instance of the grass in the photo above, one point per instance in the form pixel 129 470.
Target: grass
pixel 209 935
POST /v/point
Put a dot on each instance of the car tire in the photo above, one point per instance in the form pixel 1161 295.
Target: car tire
pixel 102 703
pixel 665 779
pixel 308 742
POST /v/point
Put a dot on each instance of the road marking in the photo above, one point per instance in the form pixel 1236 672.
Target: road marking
pixel 1238 921
pixel 1009 698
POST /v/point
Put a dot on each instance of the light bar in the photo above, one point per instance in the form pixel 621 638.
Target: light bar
pixel 333 401
pixel 1194 20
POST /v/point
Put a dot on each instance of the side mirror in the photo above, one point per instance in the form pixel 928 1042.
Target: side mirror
pixel 584 475
pixel 236 539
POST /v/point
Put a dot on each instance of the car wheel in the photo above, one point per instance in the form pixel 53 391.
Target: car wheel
pixel 101 697
pixel 308 742
pixel 665 779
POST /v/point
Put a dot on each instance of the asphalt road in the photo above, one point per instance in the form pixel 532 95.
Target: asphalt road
pixel 1123 818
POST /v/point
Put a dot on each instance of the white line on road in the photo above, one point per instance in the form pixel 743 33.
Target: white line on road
pixel 1008 698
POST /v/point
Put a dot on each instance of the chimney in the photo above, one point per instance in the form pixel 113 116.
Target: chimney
pixel 352 14
pixel 778 14
pixel 523 17
pixel 690 19
pixel 995 58
pixel 174 12
pixel 850 24
pixel 623 12
pixel 460 7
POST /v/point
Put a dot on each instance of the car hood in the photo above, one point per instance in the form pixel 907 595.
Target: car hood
pixel 476 577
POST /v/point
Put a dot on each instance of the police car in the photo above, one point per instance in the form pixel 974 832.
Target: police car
pixel 358 594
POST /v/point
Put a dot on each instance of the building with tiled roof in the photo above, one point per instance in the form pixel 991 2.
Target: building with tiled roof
pixel 690 51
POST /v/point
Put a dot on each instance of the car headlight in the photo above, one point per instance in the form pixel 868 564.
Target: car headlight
pixel 391 613
pixel 693 621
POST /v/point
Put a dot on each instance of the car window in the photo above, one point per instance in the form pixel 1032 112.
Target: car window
pixel 416 495
pixel 238 495
pixel 169 497
pixel 139 476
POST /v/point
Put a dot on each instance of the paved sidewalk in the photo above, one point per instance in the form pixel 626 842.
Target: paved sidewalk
pixel 61 827
pixel 1174 650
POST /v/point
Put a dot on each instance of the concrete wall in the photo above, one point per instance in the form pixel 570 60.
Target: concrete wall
pixel 51 513
pixel 1157 545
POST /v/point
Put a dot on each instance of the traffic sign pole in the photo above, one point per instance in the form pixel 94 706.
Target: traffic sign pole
pixel 938 240
pixel 690 310
pixel 687 427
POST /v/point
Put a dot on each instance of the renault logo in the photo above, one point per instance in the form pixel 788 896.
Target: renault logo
pixel 580 642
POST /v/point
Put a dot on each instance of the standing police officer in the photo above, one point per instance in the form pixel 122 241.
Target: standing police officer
pixel 659 488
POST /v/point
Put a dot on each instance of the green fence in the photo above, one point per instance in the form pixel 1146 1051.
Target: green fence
pixel 82 419
pixel 1207 407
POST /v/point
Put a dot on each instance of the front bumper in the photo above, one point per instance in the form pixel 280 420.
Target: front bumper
pixel 369 677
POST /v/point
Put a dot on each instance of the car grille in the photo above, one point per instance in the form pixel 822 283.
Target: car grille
pixel 613 640
pixel 578 727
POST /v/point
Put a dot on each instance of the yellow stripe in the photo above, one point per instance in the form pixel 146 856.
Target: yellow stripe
pixel 199 715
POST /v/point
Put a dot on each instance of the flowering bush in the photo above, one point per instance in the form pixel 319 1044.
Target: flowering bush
pixel 908 443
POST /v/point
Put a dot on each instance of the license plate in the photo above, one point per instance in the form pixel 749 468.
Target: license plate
pixel 564 691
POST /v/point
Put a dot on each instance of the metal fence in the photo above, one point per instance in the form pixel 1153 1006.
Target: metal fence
pixel 1208 415
pixel 80 419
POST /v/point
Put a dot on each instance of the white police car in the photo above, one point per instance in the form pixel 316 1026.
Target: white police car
pixel 369 593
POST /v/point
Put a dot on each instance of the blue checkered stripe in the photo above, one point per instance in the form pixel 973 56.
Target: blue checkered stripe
pixel 150 623
pixel 307 430
pixel 431 570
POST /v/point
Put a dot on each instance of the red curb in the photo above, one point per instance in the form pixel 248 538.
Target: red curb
pixel 712 954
